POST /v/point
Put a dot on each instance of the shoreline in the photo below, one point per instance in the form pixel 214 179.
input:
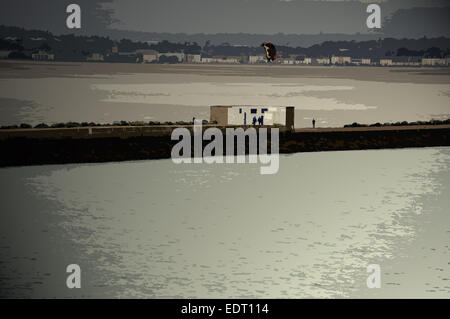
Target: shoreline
pixel 165 130
pixel 35 69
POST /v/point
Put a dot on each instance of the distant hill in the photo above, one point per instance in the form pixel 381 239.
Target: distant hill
pixel 243 39
pixel 77 48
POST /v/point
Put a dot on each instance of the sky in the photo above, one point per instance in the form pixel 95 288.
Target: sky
pixel 409 18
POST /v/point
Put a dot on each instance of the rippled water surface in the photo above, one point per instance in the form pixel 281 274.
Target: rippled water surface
pixel 156 229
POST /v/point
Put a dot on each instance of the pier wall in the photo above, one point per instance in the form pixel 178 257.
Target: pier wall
pixel 108 144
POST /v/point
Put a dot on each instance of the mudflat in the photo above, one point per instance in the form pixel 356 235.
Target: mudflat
pixel 31 69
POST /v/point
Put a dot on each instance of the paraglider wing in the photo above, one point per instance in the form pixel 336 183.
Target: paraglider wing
pixel 271 51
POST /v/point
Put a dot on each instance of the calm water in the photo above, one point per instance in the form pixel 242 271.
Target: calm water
pixel 156 229
pixel 175 97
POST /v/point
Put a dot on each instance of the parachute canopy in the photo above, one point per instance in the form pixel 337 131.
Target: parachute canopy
pixel 271 51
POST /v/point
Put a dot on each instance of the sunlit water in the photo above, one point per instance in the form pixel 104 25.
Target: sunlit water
pixel 180 97
pixel 156 229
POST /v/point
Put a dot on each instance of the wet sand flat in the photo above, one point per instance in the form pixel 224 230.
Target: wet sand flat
pixel 52 92
pixel 29 69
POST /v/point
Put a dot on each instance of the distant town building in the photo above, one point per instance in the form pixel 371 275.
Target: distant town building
pixel 363 61
pixel 225 59
pixel 341 60
pixel 244 59
pixel 233 59
pixel 128 57
pixel 248 114
pixel 147 56
pixel 287 61
pixel 301 59
pixel 179 56
pixel 434 62
pixel 220 59
pixel 96 57
pixel 122 57
pixel 406 61
pixel 386 62
pixel 323 61
pixel 42 56
pixel 193 58
pixel 253 59
pixel 128 54
pixel 307 60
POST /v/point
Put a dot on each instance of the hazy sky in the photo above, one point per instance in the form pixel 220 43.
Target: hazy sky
pixel 252 16
pixel 232 16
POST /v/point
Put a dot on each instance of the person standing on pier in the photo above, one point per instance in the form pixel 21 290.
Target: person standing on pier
pixel 314 123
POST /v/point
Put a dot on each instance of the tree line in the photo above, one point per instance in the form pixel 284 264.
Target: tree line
pixel 69 47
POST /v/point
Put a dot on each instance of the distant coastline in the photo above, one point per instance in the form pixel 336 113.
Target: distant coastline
pixel 10 69
pixel 21 44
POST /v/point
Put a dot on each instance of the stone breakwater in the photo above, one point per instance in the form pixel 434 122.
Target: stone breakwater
pixel 22 147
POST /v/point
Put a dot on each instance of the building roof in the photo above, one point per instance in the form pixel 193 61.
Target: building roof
pixel 148 52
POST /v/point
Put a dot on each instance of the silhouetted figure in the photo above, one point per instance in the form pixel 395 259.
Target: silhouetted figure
pixel 314 123
pixel 271 51
pixel 254 120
